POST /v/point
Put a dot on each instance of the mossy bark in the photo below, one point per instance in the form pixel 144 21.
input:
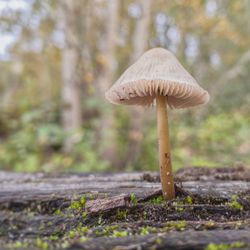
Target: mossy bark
pixel 106 211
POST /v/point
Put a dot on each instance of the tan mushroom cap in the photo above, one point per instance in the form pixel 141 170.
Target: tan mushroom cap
pixel 157 72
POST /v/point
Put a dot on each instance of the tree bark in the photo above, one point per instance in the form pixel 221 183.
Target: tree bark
pixel 71 103
pixel 107 133
pixel 140 44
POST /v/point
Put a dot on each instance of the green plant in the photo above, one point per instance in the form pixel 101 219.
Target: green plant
pixel 121 214
pixel 78 205
pixel 157 200
pixel 133 199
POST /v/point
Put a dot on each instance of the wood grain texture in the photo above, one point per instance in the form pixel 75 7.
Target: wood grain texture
pixel 29 205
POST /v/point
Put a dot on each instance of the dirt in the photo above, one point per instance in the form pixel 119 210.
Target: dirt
pixel 96 212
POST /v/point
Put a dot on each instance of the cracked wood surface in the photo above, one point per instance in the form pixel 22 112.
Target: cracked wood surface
pixel 28 203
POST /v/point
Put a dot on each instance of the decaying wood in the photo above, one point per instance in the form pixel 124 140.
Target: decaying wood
pixel 26 189
pixel 174 241
pixel 98 205
pixel 210 174
pixel 29 205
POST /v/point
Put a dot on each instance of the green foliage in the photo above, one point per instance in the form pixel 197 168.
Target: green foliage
pixel 218 139
pixel 35 143
pixel 31 131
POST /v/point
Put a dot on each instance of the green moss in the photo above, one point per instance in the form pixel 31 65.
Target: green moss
pixel 84 215
pixel 133 199
pixel 83 229
pixel 157 200
pixel 158 241
pixel 177 225
pixel 65 244
pixel 79 231
pixel 50 223
pixel 98 233
pixel 58 212
pixel 234 203
pixel 42 244
pixel 178 206
pixel 83 239
pixel 78 205
pixel 100 220
pixel 237 244
pixel 189 200
pixel 121 214
pixel 108 230
pixel 17 244
pixel 72 234
pixel 53 237
pixel 117 234
pixel 144 231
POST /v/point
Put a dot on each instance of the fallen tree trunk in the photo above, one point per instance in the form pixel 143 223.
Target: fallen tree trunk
pixel 125 210
pixel 173 241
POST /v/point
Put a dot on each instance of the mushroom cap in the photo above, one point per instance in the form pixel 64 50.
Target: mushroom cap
pixel 156 72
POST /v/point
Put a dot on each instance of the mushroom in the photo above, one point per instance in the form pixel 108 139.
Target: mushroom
pixel 158 78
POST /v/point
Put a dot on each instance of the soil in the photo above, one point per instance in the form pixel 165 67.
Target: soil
pixel 126 210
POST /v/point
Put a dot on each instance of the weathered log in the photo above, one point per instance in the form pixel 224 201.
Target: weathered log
pixel 195 240
pixel 23 190
pixel 38 206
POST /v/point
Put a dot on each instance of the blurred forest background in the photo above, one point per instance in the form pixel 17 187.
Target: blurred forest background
pixel 57 58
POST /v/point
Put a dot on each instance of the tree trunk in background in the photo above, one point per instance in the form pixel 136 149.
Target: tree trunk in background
pixel 140 44
pixel 71 109
pixel 201 71
pixel 87 47
pixel 107 133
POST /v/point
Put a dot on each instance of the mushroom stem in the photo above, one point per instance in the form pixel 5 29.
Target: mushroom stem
pixel 167 181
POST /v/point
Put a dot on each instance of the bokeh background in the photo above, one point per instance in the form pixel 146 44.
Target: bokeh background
pixel 57 58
